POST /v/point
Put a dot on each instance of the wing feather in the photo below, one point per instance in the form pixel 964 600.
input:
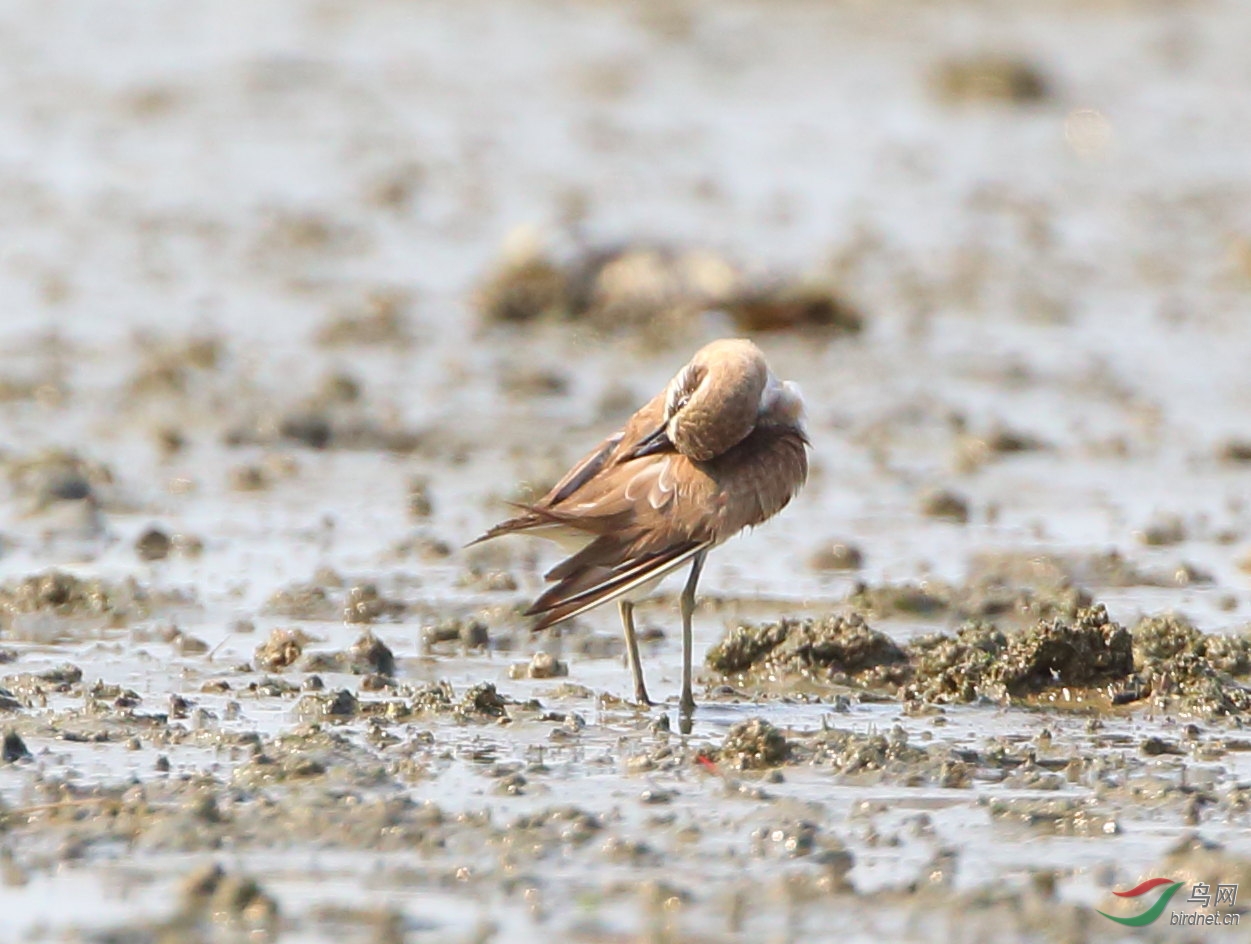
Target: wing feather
pixel 590 587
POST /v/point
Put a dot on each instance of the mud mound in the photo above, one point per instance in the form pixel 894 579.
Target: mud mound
pixel 834 645
pixel 647 286
pixel 1087 651
pixel 1087 658
pixel 754 744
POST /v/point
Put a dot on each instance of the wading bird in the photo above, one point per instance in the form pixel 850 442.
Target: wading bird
pixel 720 450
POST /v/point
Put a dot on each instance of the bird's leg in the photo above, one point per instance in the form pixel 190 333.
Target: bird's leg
pixel 632 652
pixel 687 604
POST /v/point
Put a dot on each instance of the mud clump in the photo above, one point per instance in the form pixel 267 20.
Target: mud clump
pixel 1234 451
pixel 153 545
pixel 1111 569
pixel 65 595
pixel 483 700
pixel 470 633
pixel 326 428
pixel 368 656
pixel 420 504
pixel 307 428
pixel 902 599
pixel 308 601
pixel 27 689
pixel 210 895
pixel 1164 532
pixel 371 654
pixel 945 505
pixel 330 706
pixel 567 825
pixel 836 556
pixel 50 390
pixel 183 642
pixel 282 649
pixel 335 415
pixel 991 78
pixel 980 661
pixel 1003 440
pixel 14 748
pixel 948 669
pixel 1225 653
pixel 381 319
pixel 436 697
pixel 754 744
pixel 248 478
pixel 1169 636
pixel 1180 667
pixel 1058 817
pixel 973 451
pixel 342 704
pixel 785 307
pixel 48 478
pixel 529 381
pixel 1088 656
pixel 65 674
pixel 641 286
pixel 611 289
pixel 654 287
pixel 849 752
pixel 365 604
pixel 487 581
pixel 289 236
pixel 1090 650
pixel 834 645
pixel 543 665
pixel 175 367
pixel 1159 638
pixel 526 287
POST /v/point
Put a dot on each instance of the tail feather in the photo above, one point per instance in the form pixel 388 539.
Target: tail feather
pixel 530 517
pixel 511 526
pixel 533 517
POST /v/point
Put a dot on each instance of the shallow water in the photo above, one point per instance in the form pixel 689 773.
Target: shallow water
pixel 1074 269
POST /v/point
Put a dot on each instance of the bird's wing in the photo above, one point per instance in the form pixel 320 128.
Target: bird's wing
pixel 607 454
pixel 651 515
pixel 624 496
pixel 644 525
pixel 536 516
pixel 586 469
pixel 588 586
pixel 586 475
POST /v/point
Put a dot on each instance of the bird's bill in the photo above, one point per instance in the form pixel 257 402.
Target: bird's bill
pixel 654 442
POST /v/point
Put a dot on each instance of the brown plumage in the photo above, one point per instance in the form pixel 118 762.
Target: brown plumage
pixel 721 449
